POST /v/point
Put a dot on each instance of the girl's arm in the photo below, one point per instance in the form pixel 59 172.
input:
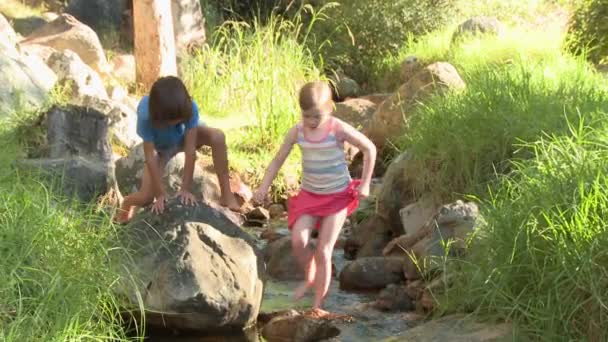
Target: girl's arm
pixel 275 165
pixel 356 138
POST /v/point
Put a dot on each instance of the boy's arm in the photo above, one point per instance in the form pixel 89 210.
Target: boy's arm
pixel 154 169
pixel 277 162
pixel 190 154
pixel 356 138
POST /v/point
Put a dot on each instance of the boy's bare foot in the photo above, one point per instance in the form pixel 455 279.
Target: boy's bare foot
pixel 230 202
pixel 123 216
pixel 300 292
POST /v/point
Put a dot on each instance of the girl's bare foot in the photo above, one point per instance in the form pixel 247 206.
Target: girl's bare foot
pixel 230 202
pixel 300 292
pixel 318 313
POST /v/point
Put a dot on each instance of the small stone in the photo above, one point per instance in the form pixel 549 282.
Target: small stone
pixel 276 210
pixel 258 214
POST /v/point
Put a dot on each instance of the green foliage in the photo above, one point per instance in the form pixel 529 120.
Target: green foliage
pixel 540 261
pixel 362 32
pixel 57 261
pixel 588 30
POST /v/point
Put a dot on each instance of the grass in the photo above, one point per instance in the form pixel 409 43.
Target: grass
pixel 516 91
pixel 526 140
pixel 18 9
pixel 540 260
pixel 57 260
pixel 251 75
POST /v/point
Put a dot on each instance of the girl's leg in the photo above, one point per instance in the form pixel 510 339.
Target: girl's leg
pixel 300 236
pixel 137 199
pixel 330 229
pixel 216 139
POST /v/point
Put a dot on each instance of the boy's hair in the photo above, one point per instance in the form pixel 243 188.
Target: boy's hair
pixel 315 95
pixel 169 100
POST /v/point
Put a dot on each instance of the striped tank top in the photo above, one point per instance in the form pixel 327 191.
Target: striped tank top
pixel 324 168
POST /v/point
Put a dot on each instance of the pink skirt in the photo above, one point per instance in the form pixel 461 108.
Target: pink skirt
pixel 307 203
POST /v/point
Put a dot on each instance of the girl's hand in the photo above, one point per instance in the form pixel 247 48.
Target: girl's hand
pixel 363 190
pixel 259 196
pixel 159 205
pixel 186 197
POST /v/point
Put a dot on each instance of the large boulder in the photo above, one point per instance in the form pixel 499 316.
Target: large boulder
pixel 478 26
pixel 372 273
pixel 73 73
pixel 24 79
pixel 355 112
pixel 77 154
pixel 122 116
pixel 194 269
pixel 457 328
pixel 100 15
pixel 188 23
pixel 389 119
pixel 67 33
pixel 129 171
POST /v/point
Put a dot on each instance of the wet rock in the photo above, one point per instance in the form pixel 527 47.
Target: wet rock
pixel 394 298
pixel 298 328
pixel 270 235
pixel 371 273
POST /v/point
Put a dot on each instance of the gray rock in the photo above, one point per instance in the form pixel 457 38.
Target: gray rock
pixel 477 26
pixel 371 273
pixel 24 80
pixel 394 298
pixel 81 79
pixel 77 176
pixel 195 269
pixel 78 131
pixel 67 33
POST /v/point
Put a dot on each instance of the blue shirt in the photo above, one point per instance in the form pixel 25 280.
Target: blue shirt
pixel 163 137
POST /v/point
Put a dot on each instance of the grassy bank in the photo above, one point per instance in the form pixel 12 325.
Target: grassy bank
pixel 527 139
pixel 56 260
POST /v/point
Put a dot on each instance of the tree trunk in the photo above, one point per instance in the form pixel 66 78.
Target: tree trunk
pixel 154 41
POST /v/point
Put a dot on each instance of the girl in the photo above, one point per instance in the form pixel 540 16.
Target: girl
pixel 327 195
pixel 168 123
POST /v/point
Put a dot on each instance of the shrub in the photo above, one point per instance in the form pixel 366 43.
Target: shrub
pixel 588 30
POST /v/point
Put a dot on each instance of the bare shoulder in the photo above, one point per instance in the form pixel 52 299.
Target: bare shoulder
pixel 292 134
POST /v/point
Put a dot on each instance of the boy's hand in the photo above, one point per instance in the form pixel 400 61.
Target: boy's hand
pixel 258 196
pixel 363 190
pixel 159 205
pixel 186 197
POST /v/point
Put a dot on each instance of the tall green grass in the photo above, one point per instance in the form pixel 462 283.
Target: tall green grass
pixel 516 91
pixel 56 259
pixel 249 76
pixel 540 260
pixel 526 139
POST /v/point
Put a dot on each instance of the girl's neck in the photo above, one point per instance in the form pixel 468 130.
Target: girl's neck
pixel 318 133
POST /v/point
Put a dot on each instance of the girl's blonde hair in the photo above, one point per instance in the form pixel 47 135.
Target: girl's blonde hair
pixel 315 95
